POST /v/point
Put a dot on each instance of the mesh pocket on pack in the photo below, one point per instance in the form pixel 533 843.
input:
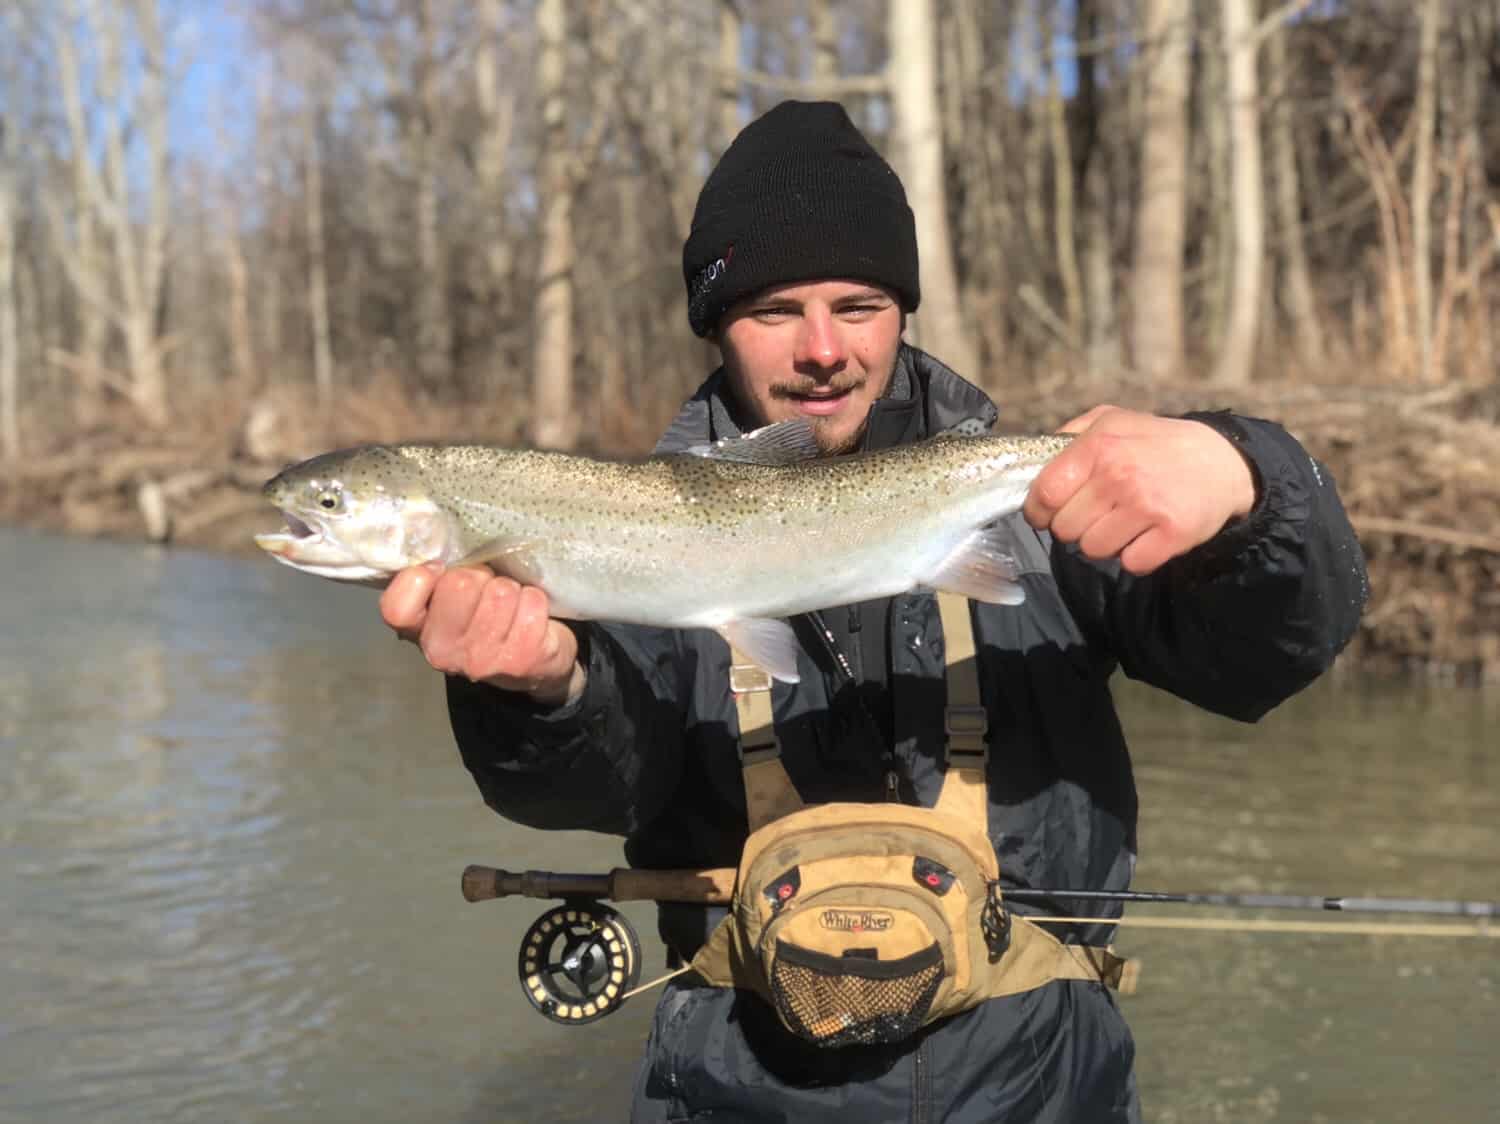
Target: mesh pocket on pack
pixel 842 1000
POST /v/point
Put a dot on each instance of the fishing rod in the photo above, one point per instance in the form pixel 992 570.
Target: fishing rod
pixel 580 960
pixel 716 887
pixel 1432 906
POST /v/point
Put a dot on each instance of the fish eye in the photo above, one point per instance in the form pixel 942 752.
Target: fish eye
pixel 328 501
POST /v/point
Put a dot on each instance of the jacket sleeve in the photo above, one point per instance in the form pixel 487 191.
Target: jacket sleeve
pixel 606 762
pixel 1250 617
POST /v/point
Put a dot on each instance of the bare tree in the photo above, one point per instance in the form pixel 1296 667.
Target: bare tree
pixel 1296 282
pixel 434 327
pixel 139 249
pixel 730 32
pixel 825 37
pixel 317 251
pixel 1097 255
pixel 497 116
pixel 1156 334
pixel 1064 208
pixel 1422 179
pixel 1237 355
pixel 554 420
pixel 10 426
pixel 107 186
pixel 919 149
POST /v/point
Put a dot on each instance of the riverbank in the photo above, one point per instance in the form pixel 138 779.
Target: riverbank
pixel 1419 471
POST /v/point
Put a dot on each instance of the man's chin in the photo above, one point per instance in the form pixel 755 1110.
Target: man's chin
pixel 835 436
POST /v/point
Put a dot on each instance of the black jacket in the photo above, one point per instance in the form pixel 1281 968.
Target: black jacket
pixel 649 752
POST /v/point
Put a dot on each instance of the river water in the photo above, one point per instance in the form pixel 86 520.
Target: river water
pixel 232 821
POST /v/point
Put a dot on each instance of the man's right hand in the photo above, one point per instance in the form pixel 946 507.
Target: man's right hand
pixel 487 628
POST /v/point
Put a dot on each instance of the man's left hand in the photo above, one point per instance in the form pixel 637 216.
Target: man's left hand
pixel 1142 487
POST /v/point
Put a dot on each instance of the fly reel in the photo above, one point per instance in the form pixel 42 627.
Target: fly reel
pixel 578 961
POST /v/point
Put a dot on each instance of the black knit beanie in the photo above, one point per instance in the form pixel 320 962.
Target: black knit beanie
pixel 800 195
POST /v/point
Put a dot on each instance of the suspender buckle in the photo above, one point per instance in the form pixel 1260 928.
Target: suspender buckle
pixel 746 678
pixel 966 720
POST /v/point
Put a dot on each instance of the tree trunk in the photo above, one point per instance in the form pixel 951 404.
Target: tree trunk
pixel 1215 249
pixel 497 117
pixel 241 342
pixel 1237 357
pixel 1097 254
pixel 729 66
pixel 1296 288
pixel 81 254
pixel 317 266
pixel 140 258
pixel 554 420
pixel 984 221
pixel 1156 315
pixel 1063 207
pixel 919 149
pixel 10 425
pixel 825 37
pixel 1421 182
pixel 434 327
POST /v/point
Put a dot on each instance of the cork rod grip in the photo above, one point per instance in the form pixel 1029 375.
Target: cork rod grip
pixel 486 883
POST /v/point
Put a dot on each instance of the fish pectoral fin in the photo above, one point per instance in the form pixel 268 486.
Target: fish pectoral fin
pixel 510 557
pixel 983 568
pixel 785 442
pixel 769 643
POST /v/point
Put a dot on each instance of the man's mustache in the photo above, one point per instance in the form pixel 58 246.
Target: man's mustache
pixel 830 389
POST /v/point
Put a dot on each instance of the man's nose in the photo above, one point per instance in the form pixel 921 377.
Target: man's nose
pixel 819 343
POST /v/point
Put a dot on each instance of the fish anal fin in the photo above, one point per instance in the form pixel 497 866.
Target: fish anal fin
pixel 983 568
pixel 770 643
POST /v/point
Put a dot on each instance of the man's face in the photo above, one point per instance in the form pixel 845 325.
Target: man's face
pixel 819 349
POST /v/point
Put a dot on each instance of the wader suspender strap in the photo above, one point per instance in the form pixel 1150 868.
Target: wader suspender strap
pixel 964 721
pixel 769 793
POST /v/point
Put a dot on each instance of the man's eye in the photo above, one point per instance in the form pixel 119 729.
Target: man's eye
pixel 771 313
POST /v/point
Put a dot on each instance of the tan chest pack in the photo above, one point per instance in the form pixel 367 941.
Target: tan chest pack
pixel 861 923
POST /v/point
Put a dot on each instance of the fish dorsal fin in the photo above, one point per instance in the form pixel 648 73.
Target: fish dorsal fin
pixel 984 567
pixel 780 443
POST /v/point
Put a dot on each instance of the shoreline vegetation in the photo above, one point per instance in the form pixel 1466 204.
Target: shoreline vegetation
pixel 1415 467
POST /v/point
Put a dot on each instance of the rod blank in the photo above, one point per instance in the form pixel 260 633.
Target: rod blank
pixel 1433 906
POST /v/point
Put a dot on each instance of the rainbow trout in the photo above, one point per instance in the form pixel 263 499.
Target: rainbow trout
pixel 733 536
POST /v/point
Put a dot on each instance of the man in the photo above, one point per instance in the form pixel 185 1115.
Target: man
pixel 1208 555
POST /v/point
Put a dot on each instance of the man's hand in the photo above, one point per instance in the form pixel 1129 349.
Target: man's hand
pixel 490 629
pixel 1139 486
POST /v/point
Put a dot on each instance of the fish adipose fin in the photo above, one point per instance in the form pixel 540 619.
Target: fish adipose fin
pixel 786 442
pixel 770 643
pixel 983 568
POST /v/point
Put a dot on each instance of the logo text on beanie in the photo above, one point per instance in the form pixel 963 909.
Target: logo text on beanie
pixel 704 281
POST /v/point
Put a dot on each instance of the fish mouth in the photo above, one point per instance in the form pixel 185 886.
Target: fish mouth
pixel 295 537
pixel 298 528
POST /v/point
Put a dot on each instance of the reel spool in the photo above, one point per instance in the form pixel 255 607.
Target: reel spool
pixel 577 962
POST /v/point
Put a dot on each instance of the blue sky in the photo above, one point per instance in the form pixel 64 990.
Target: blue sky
pixel 213 106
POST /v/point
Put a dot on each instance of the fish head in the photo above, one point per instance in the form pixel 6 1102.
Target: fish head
pixel 356 515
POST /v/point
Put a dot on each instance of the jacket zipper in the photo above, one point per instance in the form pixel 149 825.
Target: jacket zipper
pixel 841 661
pixel 919 1091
